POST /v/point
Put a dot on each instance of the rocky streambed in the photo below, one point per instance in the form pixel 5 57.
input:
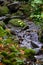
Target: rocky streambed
pixel 26 36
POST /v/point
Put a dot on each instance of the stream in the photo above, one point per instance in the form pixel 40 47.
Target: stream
pixel 29 38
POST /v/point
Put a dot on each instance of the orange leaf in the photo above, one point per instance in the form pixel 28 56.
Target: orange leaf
pixel 1 63
pixel 21 51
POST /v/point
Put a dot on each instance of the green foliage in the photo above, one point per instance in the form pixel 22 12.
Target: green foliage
pixel 6 61
pixel 2 32
pixel 4 53
pixel 29 53
pixel 7 41
pixel 12 57
pixel 2 23
pixel 11 53
pixel 34 10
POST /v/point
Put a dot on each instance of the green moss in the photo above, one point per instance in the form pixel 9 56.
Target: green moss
pixel 17 22
pixel 3 10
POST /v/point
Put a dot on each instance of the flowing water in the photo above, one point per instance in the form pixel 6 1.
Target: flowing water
pixel 29 38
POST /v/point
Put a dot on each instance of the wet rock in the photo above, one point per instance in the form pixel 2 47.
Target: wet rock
pixel 1 2
pixel 2 18
pixel 27 38
pixel 29 30
pixel 37 50
pixel 14 6
pixel 10 1
pixel 36 44
pixel 26 44
pixel 21 34
pixel 26 27
pixel 13 32
pixel 34 36
pixel 39 58
pixel 9 26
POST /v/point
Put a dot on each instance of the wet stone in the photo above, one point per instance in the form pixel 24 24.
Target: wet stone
pixel 34 36
pixel 36 44
pixel 14 6
pixel 1 2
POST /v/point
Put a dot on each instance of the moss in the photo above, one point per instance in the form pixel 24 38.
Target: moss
pixel 3 10
pixel 17 22
pixel 18 13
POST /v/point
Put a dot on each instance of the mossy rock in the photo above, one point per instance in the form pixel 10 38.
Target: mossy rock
pixel 3 10
pixel 18 13
pixel 17 22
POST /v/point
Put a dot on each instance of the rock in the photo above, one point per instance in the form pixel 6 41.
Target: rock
pixel 10 1
pixel 37 50
pixel 1 2
pixel 2 18
pixel 36 44
pixel 27 38
pixel 14 6
pixel 26 27
pixel 34 36
pixel 17 23
pixel 39 57
pixel 21 34
pixel 26 44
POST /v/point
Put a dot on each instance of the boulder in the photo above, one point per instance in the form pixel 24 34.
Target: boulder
pixel 13 7
pixel 34 44
pixel 1 2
